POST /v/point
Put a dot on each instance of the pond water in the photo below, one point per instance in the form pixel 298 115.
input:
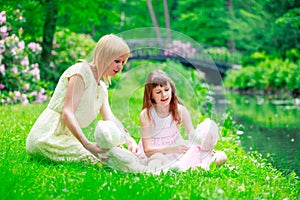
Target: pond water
pixel 271 127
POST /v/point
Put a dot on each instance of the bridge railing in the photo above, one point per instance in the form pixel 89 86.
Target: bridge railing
pixel 165 48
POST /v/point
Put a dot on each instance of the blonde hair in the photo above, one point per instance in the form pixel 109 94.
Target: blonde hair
pixel 108 48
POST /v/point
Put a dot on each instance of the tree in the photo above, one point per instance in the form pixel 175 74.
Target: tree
pixel 153 19
pixel 231 42
pixel 204 21
pixel 167 19
pixel 51 11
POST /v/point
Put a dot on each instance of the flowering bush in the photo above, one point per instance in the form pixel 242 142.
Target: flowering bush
pixel 217 54
pixel 180 48
pixel 19 70
pixel 67 48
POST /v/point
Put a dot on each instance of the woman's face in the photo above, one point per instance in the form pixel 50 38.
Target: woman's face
pixel 162 95
pixel 116 66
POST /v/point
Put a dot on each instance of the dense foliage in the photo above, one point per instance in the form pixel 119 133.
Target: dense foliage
pixel 271 26
pixel 225 28
pixel 68 48
pixel 268 75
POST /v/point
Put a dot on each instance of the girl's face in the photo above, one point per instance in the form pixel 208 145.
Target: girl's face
pixel 162 95
pixel 116 66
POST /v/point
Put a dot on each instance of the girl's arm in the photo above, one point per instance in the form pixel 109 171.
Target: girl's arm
pixel 73 96
pixel 187 120
pixel 149 149
pixel 107 114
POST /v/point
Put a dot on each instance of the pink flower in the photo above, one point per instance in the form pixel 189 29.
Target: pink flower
pixel 24 99
pixel 14 70
pixel 2 17
pixel 17 95
pixel 41 97
pixel 3 101
pixel 34 46
pixel 25 61
pixel 35 65
pixel 34 93
pixel 2 46
pixel 14 50
pixel 193 51
pixel 39 48
pixel 26 86
pixel 21 45
pixel 36 73
pixel 16 38
pixel 3 29
pixel 176 42
pixel 2 86
pixel 53 52
pixel 2 69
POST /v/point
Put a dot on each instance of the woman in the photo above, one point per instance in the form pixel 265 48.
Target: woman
pixel 77 100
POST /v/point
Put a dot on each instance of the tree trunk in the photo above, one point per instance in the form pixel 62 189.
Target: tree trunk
pixel 51 10
pixel 153 18
pixel 167 20
pixel 231 42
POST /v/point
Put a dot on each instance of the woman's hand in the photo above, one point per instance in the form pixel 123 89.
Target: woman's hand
pixel 96 150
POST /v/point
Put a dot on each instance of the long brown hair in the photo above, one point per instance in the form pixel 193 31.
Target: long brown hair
pixel 160 78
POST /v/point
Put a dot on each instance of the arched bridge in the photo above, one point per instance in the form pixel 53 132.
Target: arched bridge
pixel 212 60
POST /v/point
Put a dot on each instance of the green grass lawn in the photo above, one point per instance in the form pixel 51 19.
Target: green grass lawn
pixel 243 177
pixel 22 177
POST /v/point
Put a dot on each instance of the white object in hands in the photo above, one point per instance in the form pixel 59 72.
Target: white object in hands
pixel 108 135
pixel 206 134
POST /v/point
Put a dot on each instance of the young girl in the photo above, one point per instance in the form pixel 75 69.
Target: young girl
pixel 161 143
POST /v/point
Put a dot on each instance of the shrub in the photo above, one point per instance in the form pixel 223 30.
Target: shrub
pixel 269 75
pixel 67 48
pixel 19 69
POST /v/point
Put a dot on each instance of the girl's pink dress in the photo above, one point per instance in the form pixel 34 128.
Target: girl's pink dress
pixel 165 132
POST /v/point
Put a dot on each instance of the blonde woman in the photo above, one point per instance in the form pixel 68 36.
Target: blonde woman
pixel 80 95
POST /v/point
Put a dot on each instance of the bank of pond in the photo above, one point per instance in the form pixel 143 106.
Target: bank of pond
pixel 269 126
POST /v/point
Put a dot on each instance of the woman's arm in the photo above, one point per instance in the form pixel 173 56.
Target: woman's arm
pixel 107 114
pixel 73 96
pixel 149 149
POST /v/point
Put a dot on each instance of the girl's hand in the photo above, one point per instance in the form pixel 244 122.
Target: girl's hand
pixel 132 146
pixel 181 149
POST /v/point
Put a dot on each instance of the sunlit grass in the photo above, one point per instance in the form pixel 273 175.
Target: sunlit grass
pixel 243 177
